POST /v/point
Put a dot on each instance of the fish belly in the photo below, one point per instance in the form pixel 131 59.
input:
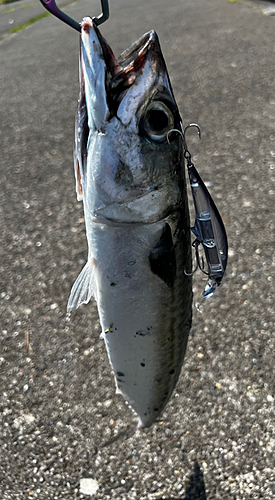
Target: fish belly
pixel 144 302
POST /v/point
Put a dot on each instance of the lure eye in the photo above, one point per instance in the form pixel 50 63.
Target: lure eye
pixel 157 121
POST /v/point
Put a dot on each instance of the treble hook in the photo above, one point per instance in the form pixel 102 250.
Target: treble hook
pixel 51 6
pixel 196 243
pixel 200 262
pixel 182 133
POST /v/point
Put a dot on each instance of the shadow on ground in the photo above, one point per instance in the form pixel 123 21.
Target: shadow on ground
pixel 195 489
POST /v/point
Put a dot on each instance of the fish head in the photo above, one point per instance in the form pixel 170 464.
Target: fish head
pixel 127 170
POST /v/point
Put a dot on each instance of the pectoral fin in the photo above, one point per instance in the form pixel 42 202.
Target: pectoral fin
pixel 84 288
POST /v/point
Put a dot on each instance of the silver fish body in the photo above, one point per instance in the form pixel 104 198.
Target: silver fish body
pixel 132 183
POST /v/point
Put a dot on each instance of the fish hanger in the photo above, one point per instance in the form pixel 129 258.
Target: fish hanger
pixel 51 6
pixel 208 227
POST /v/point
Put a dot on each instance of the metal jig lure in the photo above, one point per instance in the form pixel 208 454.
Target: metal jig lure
pixel 51 6
pixel 208 227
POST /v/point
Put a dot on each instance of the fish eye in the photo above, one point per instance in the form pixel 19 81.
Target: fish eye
pixel 158 120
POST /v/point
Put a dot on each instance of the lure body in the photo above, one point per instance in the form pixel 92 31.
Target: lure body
pixel 209 231
pixel 133 187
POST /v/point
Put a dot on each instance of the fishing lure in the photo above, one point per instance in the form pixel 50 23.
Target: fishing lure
pixel 208 227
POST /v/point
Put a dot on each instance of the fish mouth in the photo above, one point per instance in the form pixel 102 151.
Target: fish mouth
pixel 128 67
pixel 119 73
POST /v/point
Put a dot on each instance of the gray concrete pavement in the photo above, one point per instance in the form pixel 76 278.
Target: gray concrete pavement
pixel 61 421
pixel 17 13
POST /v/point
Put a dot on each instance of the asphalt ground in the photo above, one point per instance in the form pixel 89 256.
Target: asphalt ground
pixel 16 14
pixel 61 421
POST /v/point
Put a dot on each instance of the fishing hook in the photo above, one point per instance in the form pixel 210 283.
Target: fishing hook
pixel 174 130
pixel 187 154
pixel 51 6
pixel 182 133
pixel 200 262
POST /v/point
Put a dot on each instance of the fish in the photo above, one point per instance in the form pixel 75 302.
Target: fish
pixel 132 183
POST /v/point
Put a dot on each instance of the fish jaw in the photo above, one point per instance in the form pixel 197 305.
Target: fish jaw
pixel 92 76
